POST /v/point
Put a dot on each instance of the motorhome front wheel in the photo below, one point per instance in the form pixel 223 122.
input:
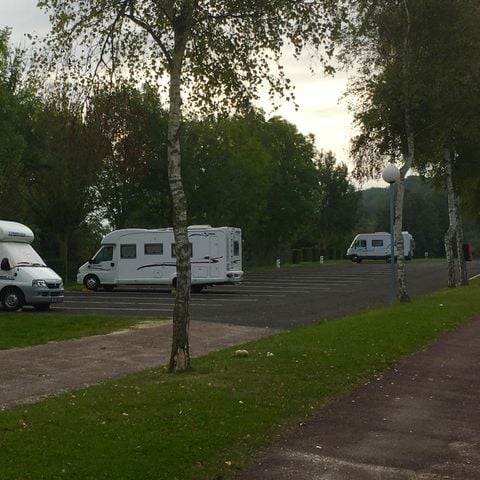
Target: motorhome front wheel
pixel 91 282
pixel 12 299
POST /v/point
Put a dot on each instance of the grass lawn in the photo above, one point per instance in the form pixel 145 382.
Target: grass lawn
pixel 20 329
pixel 206 423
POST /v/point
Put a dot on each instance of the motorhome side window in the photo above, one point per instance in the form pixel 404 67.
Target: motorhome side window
pixel 361 243
pixel 128 251
pixel 377 243
pixel 153 249
pixel 174 252
pixel 236 247
pixel 104 255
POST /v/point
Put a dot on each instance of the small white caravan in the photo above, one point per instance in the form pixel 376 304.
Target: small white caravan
pixel 24 277
pixel 135 256
pixel 376 246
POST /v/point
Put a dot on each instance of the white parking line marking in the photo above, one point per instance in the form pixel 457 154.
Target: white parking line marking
pixel 118 304
pixel 294 282
pixel 115 309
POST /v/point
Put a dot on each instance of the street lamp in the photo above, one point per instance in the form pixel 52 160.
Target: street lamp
pixel 391 174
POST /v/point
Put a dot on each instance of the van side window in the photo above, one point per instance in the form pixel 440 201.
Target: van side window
pixel 104 255
pixel 236 248
pixel 153 249
pixel 174 251
pixel 128 251
pixel 361 243
pixel 377 243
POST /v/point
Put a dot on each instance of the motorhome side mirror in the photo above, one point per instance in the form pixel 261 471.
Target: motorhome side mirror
pixel 90 261
pixel 5 265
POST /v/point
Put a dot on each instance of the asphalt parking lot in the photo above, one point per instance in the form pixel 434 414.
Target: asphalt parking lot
pixel 281 298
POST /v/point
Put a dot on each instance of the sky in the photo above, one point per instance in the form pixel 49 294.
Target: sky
pixel 321 111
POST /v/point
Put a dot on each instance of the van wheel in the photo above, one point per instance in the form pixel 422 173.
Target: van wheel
pixel 91 282
pixel 356 259
pixel 12 299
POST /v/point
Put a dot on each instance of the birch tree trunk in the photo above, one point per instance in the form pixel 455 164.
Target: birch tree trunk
pixel 452 219
pixel 462 264
pixel 402 293
pixel 180 354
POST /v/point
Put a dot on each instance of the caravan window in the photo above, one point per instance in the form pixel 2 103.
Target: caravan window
pixel 377 243
pixel 236 248
pixel 153 249
pixel 174 252
pixel 128 251
pixel 104 255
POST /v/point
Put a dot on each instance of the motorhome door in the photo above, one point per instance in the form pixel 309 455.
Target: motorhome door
pixel 205 255
pixel 236 249
pixel 103 263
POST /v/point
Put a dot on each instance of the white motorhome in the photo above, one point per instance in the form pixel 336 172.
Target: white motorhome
pixel 377 246
pixel 24 277
pixel 136 256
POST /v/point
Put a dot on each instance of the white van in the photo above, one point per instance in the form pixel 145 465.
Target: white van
pixel 135 256
pixel 24 277
pixel 376 246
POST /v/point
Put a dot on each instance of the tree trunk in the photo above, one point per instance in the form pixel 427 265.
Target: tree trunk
pixel 462 264
pixel 452 227
pixel 402 293
pixel 180 354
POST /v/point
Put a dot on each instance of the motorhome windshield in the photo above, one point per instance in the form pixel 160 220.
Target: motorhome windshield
pixel 105 254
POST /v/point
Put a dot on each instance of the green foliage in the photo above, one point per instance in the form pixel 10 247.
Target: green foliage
pixel 209 422
pixel 131 130
pixel 417 59
pixel 12 133
pixel 227 49
pixel 267 178
pixel 58 170
pixel 338 214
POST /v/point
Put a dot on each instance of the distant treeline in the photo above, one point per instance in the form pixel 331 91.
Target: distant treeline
pixel 72 172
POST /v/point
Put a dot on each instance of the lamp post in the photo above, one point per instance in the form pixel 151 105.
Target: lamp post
pixel 391 174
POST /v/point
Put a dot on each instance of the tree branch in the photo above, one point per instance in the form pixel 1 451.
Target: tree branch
pixel 110 35
pixel 148 28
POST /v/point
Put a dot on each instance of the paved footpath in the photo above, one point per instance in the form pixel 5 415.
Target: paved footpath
pixel 420 420
pixel 28 374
